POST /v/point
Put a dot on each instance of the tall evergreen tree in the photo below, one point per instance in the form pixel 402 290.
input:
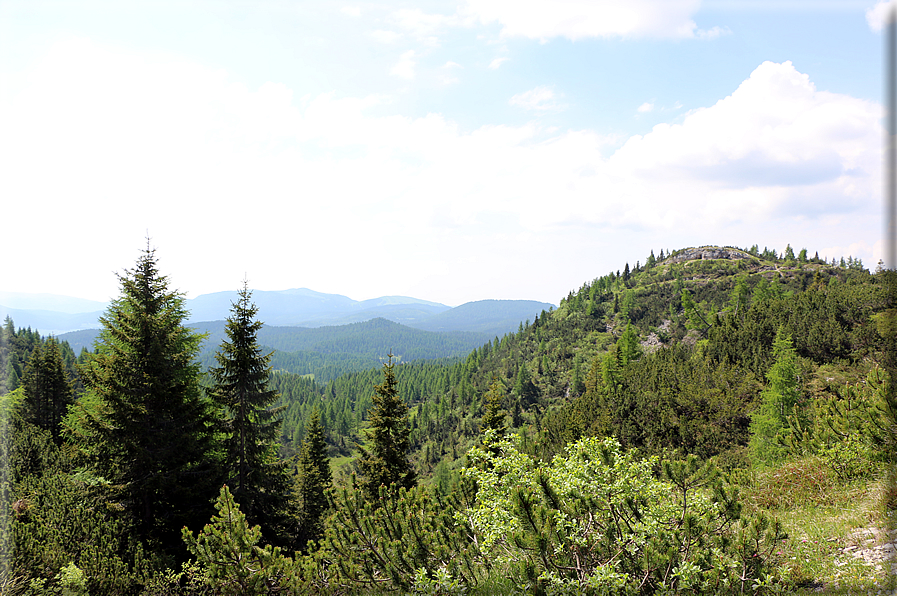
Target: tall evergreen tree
pixel 524 388
pixel 628 345
pixel 260 479
pixel 314 479
pixel 47 389
pixel 144 424
pixel 384 460
pixel 493 404
pixel 778 401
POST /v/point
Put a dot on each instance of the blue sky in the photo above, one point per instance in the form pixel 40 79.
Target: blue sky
pixel 451 151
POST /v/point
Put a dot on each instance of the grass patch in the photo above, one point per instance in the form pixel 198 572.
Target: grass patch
pixel 822 516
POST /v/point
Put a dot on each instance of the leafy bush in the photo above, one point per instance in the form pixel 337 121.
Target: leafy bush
pixel 597 520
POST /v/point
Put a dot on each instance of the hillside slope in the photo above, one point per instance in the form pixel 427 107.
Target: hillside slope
pixel 492 317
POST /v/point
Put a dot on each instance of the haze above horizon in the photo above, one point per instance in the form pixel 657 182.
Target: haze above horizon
pixel 451 151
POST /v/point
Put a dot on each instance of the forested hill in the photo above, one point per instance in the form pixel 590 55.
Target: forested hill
pixel 358 345
pixel 492 317
pixel 328 352
pixel 669 354
pixel 761 383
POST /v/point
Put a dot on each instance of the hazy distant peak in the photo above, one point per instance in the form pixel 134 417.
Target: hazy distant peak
pixel 389 300
pixel 50 302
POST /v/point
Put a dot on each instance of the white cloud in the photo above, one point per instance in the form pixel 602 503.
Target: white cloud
pixel 498 62
pixel 646 107
pixel 579 19
pixel 352 11
pixel 425 27
pixel 385 36
pixel 775 147
pixel 878 14
pixel 404 68
pixel 132 142
pixel 451 64
pixel 712 33
pixel 540 99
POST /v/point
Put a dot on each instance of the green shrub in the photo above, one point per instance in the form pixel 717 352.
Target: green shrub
pixel 597 520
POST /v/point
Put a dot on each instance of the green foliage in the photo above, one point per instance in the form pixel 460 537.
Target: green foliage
pixel 779 398
pixel 494 414
pixel 738 301
pixel 669 400
pixel 146 427
pixel 313 482
pixel 565 510
pixel 384 460
pixel 72 581
pixel 597 521
pixel 696 315
pixel 48 392
pixel 231 560
pixel 329 352
pixel 846 431
pixel 60 518
pixel 260 479
pixel 408 539
pixel 628 345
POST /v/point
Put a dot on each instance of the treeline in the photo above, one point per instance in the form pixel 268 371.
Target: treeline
pixel 368 339
pixel 101 486
pixel 592 451
pixel 16 347
pixel 728 311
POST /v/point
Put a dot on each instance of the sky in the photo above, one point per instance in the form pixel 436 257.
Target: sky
pixel 449 151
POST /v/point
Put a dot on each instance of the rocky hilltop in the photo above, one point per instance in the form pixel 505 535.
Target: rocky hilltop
pixel 707 252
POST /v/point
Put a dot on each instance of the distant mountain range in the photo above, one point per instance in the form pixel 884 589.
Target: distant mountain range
pixel 53 314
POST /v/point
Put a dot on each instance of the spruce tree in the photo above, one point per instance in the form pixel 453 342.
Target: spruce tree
pixel 144 424
pixel 47 389
pixel 259 478
pixel 314 480
pixel 494 414
pixel 384 461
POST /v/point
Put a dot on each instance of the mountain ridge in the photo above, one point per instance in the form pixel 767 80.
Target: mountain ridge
pixel 296 307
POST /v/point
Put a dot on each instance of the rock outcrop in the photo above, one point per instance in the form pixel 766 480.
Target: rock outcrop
pixel 707 252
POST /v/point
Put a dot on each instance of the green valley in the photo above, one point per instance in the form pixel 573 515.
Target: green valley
pixel 712 420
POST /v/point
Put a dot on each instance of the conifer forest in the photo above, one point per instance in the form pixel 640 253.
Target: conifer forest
pixel 713 420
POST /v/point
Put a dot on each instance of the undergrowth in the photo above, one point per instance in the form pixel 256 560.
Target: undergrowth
pixel 822 515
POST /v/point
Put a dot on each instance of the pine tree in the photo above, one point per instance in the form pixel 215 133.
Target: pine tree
pixel 577 384
pixel 739 298
pixel 144 423
pixel 629 348
pixel 494 414
pixel 313 482
pixel 385 460
pixel 47 389
pixel 779 399
pixel 231 561
pixel 524 389
pixel 260 480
